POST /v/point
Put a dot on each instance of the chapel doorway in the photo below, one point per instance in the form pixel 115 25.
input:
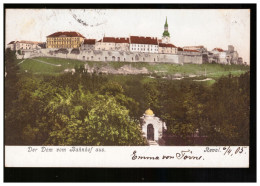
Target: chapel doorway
pixel 150 132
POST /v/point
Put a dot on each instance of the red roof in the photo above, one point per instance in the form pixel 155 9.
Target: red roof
pixel 180 49
pixel 199 46
pixel 66 34
pixel 109 39
pixel 143 40
pixel 115 40
pixel 166 45
pixel 122 40
pixel 186 50
pixel 89 41
pixel 30 42
pixel 218 49
pixel 12 42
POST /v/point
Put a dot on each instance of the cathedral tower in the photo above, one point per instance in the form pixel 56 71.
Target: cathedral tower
pixel 166 34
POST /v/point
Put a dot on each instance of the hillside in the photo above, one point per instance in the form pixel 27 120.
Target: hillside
pixel 43 65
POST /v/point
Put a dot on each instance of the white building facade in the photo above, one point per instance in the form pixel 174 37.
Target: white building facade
pixel 107 44
pixel 27 45
pixel 167 48
pixel 24 45
pixel 143 44
pixel 122 44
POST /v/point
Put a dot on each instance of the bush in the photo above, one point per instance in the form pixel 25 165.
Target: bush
pixel 62 51
pixel 75 51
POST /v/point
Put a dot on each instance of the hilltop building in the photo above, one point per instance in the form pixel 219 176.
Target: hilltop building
pixel 65 40
pixel 11 45
pixel 106 43
pixel 24 45
pixel 112 43
pixel 143 44
pixel 88 44
pixel 199 48
pixel 122 44
pixel 130 49
pixel 166 34
pixel 230 56
pixel 167 48
pixel 182 51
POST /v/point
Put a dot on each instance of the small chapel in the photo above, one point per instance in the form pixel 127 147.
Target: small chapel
pixel 152 128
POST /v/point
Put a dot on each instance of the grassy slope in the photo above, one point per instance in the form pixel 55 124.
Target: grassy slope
pixel 212 70
pixel 40 68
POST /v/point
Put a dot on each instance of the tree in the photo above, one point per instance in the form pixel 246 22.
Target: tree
pixel 11 78
pixel 152 95
pixel 112 88
pixel 91 119
pixel 11 95
pixel 229 110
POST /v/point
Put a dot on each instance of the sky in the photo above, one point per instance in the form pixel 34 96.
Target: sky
pixel 187 27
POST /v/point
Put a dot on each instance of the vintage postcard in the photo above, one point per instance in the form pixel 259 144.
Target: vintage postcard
pixel 127 87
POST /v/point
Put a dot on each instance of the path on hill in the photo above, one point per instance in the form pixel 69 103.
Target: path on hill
pixel 207 79
pixel 46 62
pixel 21 62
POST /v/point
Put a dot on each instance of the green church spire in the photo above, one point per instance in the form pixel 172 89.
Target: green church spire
pixel 166 33
pixel 166 24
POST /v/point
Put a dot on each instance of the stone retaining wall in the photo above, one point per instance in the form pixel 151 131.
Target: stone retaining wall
pixel 94 55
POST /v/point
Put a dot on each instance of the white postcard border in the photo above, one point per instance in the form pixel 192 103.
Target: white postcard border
pixel 128 156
